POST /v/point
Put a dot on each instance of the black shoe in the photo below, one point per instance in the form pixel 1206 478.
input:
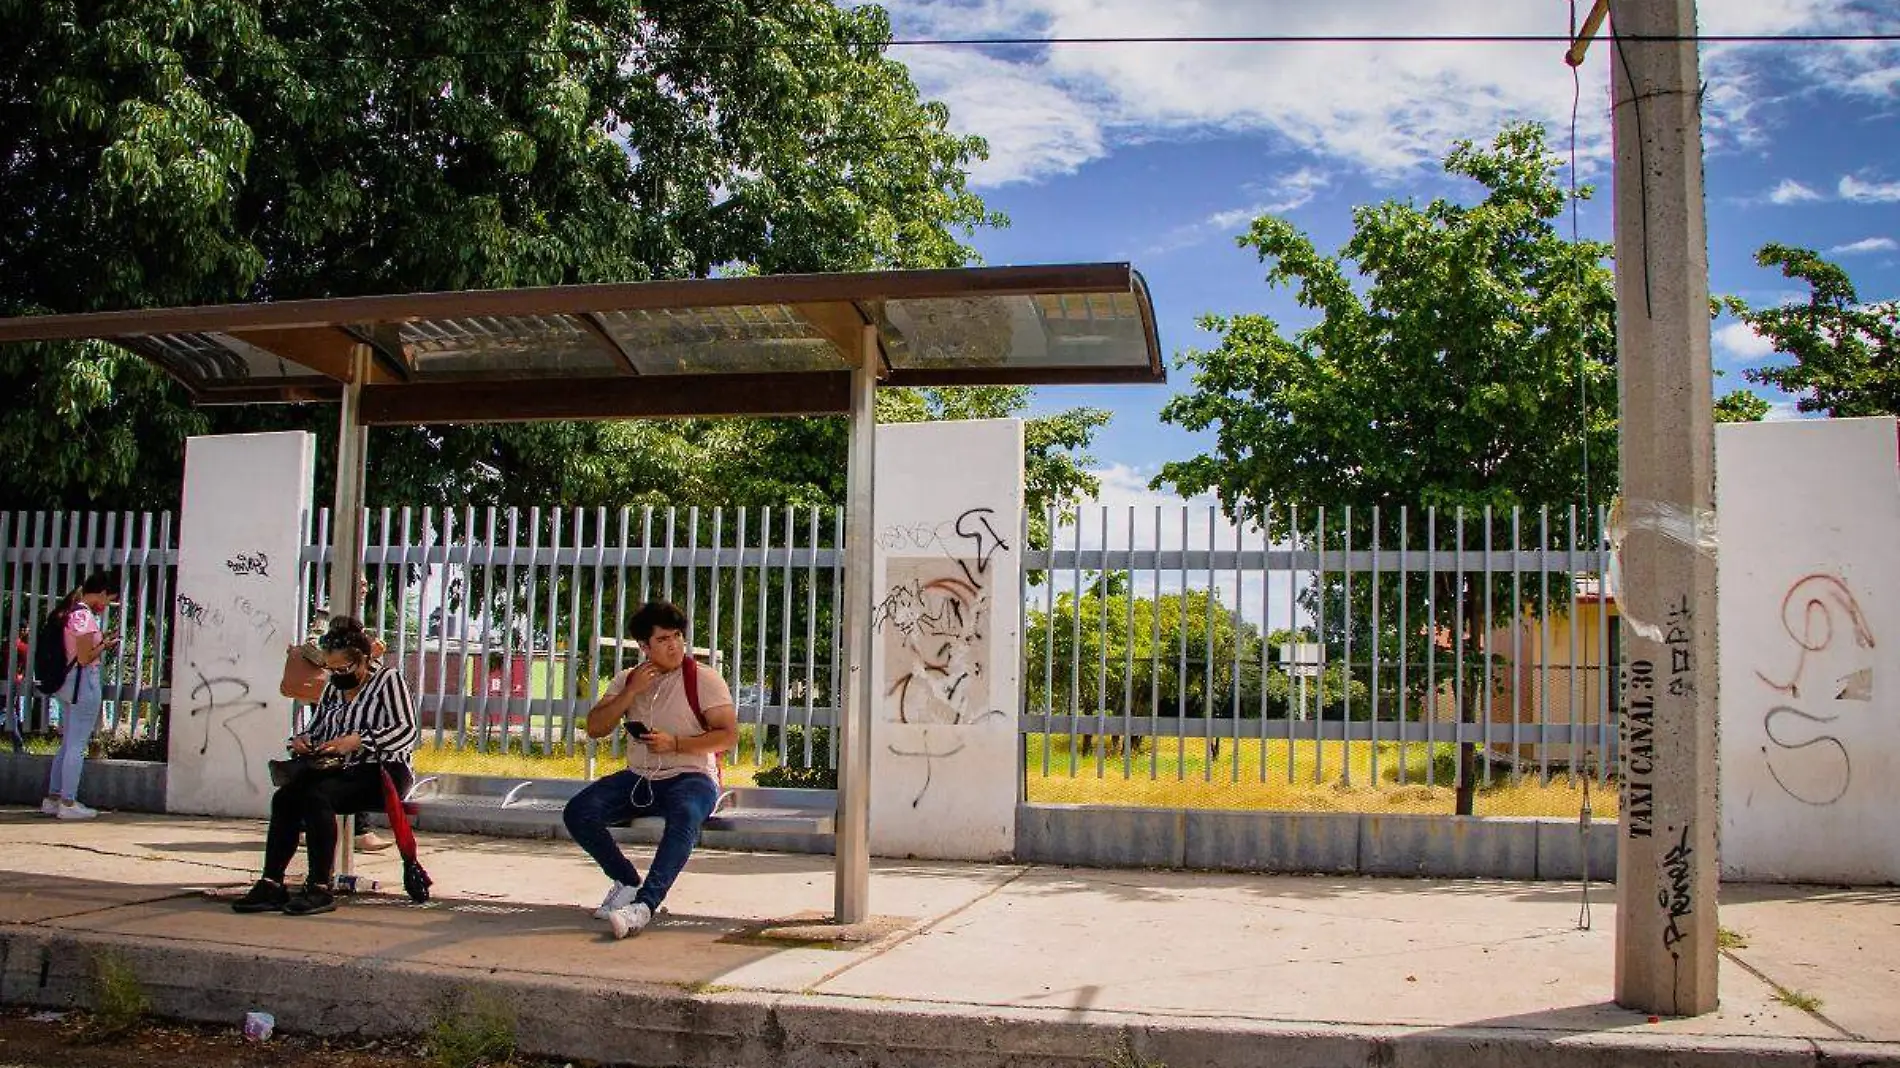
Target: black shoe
pixel 310 901
pixel 263 896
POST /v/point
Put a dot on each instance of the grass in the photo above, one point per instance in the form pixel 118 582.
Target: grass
pixel 1728 938
pixel 1124 1056
pixel 477 1031
pixel 1796 999
pixel 1167 773
pixel 119 1001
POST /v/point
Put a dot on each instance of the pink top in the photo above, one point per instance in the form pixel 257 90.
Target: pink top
pixel 80 621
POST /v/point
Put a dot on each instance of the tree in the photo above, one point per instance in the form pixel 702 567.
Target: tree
pixel 1740 406
pixel 216 151
pixel 1846 353
pixel 1469 364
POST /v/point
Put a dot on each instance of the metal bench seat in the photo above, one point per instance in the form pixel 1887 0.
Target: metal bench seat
pixel 535 805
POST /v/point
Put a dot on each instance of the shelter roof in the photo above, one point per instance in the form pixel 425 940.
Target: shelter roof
pixel 765 345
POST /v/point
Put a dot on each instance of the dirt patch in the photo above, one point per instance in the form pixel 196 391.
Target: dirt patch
pixel 47 1040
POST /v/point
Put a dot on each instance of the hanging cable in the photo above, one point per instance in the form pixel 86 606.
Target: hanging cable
pixel 1583 410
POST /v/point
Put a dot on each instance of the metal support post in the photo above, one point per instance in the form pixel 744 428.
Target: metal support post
pixel 1666 852
pixel 346 546
pixel 853 842
pixel 352 456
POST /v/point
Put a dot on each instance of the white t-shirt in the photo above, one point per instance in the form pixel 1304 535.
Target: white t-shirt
pixel 663 707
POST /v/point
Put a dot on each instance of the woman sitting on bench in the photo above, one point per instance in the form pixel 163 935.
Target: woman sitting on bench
pixel 363 724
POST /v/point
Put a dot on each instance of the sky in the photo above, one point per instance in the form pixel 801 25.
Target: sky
pixel 1161 154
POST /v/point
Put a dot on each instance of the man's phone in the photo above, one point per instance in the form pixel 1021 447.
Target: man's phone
pixel 635 729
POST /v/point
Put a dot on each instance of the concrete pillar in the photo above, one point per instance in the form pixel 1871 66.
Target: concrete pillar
pixel 945 757
pixel 238 604
pixel 1666 857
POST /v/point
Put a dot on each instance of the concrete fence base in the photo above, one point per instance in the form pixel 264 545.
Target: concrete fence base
pixel 119 785
pixel 1325 843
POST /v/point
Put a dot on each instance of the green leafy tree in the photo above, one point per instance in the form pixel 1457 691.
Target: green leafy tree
pixel 1740 406
pixel 1462 356
pixel 1846 353
pixel 165 153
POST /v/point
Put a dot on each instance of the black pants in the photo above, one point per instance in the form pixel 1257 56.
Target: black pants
pixel 309 806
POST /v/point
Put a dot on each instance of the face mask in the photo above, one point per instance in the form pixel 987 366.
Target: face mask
pixel 345 680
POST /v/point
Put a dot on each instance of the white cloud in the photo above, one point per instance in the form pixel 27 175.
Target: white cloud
pixel 1035 129
pixel 1378 108
pixel 1864 246
pixel 1863 191
pixel 1289 192
pixel 1790 191
pixel 1742 343
pixel 1781 411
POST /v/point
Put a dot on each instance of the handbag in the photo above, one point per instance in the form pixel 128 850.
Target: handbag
pixel 304 674
pixel 290 769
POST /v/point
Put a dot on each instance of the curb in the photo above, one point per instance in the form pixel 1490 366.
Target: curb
pixel 671 1026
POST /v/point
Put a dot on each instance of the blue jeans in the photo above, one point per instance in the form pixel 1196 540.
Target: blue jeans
pixel 684 801
pixel 76 726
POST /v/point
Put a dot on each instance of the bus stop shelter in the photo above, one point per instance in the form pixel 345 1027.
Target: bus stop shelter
pixel 781 345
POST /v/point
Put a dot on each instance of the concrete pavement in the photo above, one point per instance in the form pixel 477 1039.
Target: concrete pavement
pixel 973 964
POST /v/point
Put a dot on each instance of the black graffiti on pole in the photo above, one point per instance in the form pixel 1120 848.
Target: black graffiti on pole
pixel 929 755
pixel 249 564
pixel 1638 731
pixel 1680 621
pixel 974 526
pixel 1677 897
pixel 198 613
pixel 222 701
pixel 1815 611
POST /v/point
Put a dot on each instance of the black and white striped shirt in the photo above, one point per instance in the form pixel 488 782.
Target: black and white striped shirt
pixel 380 710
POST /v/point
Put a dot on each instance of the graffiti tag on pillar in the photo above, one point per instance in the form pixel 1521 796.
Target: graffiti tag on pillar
pixel 221 701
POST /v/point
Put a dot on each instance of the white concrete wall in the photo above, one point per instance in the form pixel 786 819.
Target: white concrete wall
pixel 948 630
pixel 241 531
pixel 1810 631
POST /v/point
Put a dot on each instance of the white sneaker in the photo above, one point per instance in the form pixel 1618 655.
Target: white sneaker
pixel 73 810
pixel 619 896
pixel 49 806
pixel 630 919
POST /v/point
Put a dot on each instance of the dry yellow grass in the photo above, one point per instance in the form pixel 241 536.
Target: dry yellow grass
pixel 1172 773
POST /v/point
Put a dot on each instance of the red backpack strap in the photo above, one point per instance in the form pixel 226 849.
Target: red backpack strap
pixel 689 676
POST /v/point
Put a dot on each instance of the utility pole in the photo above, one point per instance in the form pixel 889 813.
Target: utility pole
pixel 1666 846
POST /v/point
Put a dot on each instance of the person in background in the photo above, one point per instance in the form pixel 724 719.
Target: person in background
pixel 81 693
pixel 363 725
pixel 16 704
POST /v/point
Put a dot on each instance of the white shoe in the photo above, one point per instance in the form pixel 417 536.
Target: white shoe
pixel 49 806
pixel 630 919
pixel 619 896
pixel 73 810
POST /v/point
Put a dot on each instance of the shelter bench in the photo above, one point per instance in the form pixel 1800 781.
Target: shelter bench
pixel 747 816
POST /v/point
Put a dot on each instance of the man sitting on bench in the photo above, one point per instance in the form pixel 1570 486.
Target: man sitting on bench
pixel 677 727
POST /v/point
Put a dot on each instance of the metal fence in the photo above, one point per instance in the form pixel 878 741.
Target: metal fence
pixel 509 623
pixel 1356 647
pixel 1363 648
pixel 44 556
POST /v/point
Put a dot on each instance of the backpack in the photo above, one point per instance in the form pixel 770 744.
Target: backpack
pixel 51 665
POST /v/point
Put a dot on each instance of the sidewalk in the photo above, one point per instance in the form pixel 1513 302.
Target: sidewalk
pixel 981 965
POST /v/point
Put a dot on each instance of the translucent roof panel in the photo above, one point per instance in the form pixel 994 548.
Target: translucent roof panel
pixel 1090 330
pixel 505 346
pixel 780 344
pixel 745 337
